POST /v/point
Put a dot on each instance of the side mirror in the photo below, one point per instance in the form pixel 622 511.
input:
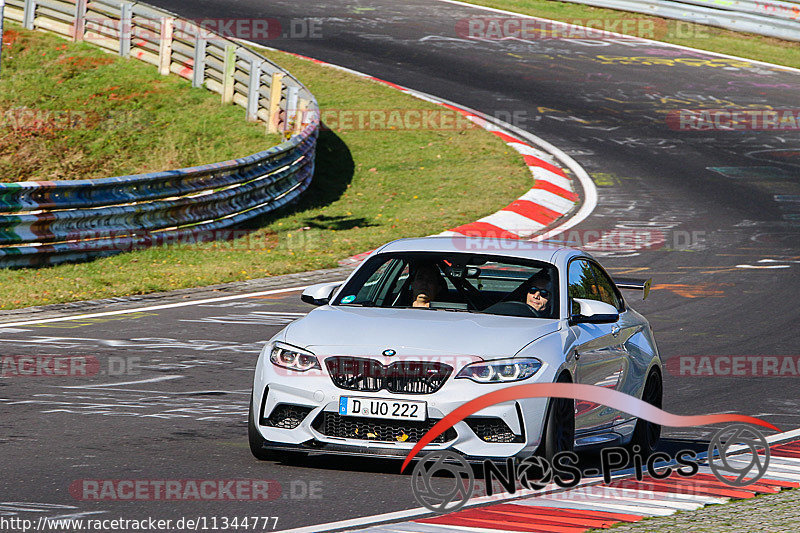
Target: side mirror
pixel 594 312
pixel 321 293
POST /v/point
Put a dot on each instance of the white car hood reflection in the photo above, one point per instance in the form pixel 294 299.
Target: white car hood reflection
pixel 415 332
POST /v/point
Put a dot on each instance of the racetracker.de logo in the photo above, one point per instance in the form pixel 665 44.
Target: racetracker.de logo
pixel 780 366
pixel 209 29
pixel 524 28
pixel 175 489
pixel 734 120
pixel 48 366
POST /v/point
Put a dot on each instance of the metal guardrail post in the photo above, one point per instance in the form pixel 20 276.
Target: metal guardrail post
pixel 254 89
pixel 275 90
pixel 80 20
pixel 301 116
pixel 291 107
pixel 227 75
pixel 125 29
pixel 29 14
pixel 199 65
pixel 165 45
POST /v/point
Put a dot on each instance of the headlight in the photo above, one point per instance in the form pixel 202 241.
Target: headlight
pixel 501 370
pixel 293 358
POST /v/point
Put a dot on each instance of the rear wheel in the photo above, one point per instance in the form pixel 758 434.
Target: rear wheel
pixel 259 446
pixel 647 434
pixel 559 431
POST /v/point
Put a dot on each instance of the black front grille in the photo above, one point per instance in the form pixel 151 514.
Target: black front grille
pixel 353 427
pixel 492 430
pixel 286 416
pixel 406 377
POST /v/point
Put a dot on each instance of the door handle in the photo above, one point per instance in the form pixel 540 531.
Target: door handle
pixel 615 331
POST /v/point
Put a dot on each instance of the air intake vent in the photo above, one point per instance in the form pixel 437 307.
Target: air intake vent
pixel 403 377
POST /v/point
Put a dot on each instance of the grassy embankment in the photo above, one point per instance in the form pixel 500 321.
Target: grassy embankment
pixel 371 185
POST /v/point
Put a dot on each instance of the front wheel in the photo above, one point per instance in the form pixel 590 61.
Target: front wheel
pixel 259 446
pixel 559 430
pixel 647 434
pixel 257 442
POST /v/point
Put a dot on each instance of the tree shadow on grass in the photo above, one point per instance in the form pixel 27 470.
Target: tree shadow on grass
pixel 333 172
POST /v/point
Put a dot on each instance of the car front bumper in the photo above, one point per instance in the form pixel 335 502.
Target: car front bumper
pixel 316 397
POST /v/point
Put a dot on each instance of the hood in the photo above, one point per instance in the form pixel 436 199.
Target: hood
pixel 368 331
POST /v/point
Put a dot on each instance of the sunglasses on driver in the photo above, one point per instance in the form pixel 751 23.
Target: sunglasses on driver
pixel 543 292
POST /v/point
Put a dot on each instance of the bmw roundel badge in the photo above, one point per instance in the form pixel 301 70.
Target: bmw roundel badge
pixel 389 353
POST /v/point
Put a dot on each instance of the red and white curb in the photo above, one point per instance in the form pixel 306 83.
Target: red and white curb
pixel 551 206
pixel 591 504
pixel 601 506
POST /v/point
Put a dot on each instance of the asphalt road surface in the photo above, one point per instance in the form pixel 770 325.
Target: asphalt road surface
pixel 716 213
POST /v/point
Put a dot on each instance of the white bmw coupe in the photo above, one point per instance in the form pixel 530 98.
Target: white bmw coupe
pixel 424 325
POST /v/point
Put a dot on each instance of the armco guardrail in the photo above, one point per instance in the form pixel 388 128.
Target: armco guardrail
pixel 52 222
pixel 779 19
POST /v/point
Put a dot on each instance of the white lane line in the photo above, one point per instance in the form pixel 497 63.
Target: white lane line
pixel 775 462
pixel 405 527
pixel 786 435
pixel 450 528
pixel 648 495
pixel 780 460
pixel 356 522
pixel 152 307
pixel 599 505
pixel 624 36
pixel 582 495
pixel 778 476
pixel 410 527
pixel 105 385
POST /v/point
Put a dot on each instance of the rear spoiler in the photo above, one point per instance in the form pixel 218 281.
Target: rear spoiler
pixel 637 284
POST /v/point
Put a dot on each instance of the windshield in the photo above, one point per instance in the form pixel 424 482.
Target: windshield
pixel 473 283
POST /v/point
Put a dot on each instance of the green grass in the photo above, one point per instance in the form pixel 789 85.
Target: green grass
pixel 709 38
pixel 70 111
pixel 370 186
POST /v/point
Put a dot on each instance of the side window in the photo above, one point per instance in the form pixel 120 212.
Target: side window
pixel 581 283
pixel 377 286
pixel 608 291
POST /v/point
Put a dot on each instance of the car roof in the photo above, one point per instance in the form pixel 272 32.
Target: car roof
pixel 479 245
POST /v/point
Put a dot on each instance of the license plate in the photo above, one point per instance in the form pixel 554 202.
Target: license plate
pixel 379 408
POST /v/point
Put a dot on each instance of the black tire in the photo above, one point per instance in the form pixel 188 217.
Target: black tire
pixel 259 446
pixel 559 430
pixel 257 442
pixel 647 434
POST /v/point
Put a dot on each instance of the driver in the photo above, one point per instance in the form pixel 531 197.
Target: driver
pixel 426 285
pixel 539 294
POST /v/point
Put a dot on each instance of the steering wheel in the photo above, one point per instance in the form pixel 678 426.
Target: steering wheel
pixel 512 309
